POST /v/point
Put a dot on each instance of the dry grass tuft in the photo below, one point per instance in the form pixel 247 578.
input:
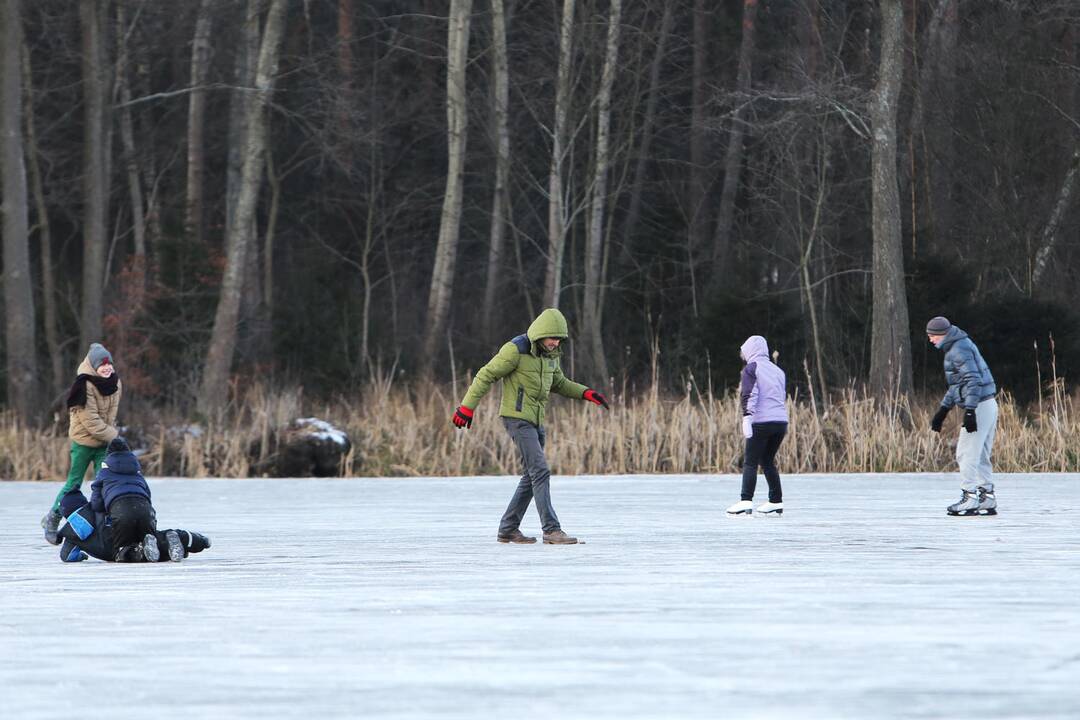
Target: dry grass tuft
pixel 399 431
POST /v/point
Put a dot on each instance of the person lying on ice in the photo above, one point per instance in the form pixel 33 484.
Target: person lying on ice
pixel 528 367
pixel 119 523
pixel 92 401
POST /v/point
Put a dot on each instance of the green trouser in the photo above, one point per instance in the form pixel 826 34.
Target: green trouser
pixel 81 457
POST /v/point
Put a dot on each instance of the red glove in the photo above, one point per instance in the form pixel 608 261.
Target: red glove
pixel 463 417
pixel 595 397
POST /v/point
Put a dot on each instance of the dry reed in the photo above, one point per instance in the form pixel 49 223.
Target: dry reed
pixel 397 431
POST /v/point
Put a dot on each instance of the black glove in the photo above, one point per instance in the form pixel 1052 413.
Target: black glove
pixel 969 421
pixel 939 418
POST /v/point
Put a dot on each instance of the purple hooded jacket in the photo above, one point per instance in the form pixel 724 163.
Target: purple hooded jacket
pixel 763 389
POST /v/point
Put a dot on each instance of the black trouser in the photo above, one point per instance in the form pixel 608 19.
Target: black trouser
pixel 761 450
pixel 132 518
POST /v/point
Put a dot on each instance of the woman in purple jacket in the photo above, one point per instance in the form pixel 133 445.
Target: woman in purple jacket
pixel 762 396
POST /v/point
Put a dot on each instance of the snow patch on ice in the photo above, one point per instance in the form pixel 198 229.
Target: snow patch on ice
pixel 323 430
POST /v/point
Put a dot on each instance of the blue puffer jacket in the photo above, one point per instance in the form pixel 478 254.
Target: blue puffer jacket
pixel 120 474
pixel 969 378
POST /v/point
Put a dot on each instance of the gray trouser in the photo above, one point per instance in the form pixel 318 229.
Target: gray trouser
pixel 534 483
pixel 973 449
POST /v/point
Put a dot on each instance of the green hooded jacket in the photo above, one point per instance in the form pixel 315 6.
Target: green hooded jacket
pixel 529 374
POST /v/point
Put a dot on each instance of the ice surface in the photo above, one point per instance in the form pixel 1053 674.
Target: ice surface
pixel 391 598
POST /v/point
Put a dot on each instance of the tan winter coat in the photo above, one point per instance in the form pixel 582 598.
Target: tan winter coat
pixel 94 424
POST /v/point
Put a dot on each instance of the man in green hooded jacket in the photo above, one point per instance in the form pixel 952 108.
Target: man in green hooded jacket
pixel 528 367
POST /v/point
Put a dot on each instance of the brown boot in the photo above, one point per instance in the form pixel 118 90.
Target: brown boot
pixel 516 537
pixel 558 537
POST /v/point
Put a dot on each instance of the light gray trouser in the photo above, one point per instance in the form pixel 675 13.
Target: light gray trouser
pixel 973 449
pixel 534 483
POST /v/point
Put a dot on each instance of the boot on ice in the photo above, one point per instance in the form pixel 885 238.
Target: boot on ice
pixel 967 505
pixel 743 507
pixel 987 500
pixel 517 537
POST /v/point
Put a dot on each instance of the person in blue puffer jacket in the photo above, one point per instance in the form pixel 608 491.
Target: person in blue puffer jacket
pixel 119 522
pixel 972 387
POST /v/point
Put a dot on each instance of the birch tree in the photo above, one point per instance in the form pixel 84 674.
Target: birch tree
pixel 442 275
pixel 500 197
pixel 196 125
pixel 890 342
pixel 20 342
pixel 219 355
pixel 556 201
pixel 596 237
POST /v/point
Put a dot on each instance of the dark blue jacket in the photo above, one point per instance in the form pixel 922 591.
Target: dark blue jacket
pixel 120 474
pixel 969 378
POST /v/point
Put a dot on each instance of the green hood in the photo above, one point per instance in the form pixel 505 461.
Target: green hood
pixel 550 323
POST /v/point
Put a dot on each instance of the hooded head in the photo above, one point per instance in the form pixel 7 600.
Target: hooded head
pixel 754 347
pixel 98 355
pixel 118 444
pixel 550 323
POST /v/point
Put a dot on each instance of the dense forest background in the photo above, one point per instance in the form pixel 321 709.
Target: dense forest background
pixel 323 192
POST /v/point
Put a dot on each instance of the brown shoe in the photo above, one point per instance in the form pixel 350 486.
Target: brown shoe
pixel 558 537
pixel 516 537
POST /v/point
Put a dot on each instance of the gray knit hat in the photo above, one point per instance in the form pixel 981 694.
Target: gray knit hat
pixel 98 354
pixel 938 326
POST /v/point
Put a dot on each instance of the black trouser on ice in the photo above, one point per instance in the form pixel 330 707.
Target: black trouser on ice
pixel 761 450
pixel 131 518
pixel 534 484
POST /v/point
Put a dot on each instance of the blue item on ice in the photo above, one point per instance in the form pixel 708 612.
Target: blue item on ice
pixel 968 375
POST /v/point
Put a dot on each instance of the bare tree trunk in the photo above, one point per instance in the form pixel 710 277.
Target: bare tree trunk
pixel 127 137
pixel 501 195
pixel 890 343
pixel 595 240
pixel 274 181
pixel 442 275
pixel 633 215
pixel 214 388
pixel 695 205
pixel 95 169
pixel 20 342
pixel 556 201
pixel 733 157
pixel 44 229
pixel 196 149
pixel 1053 225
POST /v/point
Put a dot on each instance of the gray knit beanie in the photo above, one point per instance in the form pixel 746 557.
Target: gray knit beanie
pixel 938 326
pixel 98 354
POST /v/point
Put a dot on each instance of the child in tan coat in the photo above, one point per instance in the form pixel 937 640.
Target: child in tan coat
pixel 93 402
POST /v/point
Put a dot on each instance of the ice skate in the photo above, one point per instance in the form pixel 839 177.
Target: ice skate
pixel 987 500
pixel 51 523
pixel 558 537
pixel 743 507
pixel 193 542
pixel 968 504
pixel 176 548
pixel 150 550
pixel 517 537
pixel 771 509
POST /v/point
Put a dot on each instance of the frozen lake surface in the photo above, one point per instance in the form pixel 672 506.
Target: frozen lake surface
pixel 390 598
